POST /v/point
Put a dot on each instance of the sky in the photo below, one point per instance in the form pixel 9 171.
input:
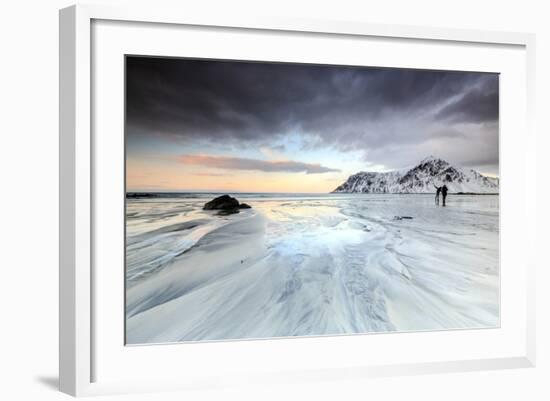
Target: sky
pixel 233 126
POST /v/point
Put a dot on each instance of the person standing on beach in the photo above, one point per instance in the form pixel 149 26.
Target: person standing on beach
pixel 444 190
pixel 437 191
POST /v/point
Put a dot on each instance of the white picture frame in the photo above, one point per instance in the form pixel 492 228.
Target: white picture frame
pixel 78 206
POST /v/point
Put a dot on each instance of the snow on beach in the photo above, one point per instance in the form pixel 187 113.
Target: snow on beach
pixel 309 265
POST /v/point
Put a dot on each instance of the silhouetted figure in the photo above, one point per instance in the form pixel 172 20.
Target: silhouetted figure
pixel 444 190
pixel 437 192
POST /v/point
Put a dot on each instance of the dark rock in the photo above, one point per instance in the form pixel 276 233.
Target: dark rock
pixel 224 202
pixel 227 212
pixel 226 205
pixel 140 195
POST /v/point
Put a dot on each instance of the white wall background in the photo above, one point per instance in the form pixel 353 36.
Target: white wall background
pixel 29 197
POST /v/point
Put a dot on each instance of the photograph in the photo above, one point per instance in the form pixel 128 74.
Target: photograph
pixel 277 199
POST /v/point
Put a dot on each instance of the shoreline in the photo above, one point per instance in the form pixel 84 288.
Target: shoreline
pixel 308 267
pixel 148 194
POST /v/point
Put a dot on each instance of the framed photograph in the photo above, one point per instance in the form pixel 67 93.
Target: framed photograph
pixel 271 201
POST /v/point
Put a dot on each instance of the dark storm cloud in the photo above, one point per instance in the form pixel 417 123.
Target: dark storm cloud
pixel 478 105
pixel 246 103
pixel 237 163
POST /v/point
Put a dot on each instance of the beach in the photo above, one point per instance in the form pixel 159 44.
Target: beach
pixel 308 265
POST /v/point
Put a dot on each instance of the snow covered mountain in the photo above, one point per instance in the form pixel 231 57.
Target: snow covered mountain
pixel 421 179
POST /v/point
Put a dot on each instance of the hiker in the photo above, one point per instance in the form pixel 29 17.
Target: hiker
pixel 444 190
pixel 437 191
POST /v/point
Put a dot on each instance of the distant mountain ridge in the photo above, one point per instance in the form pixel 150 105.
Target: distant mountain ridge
pixel 421 179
